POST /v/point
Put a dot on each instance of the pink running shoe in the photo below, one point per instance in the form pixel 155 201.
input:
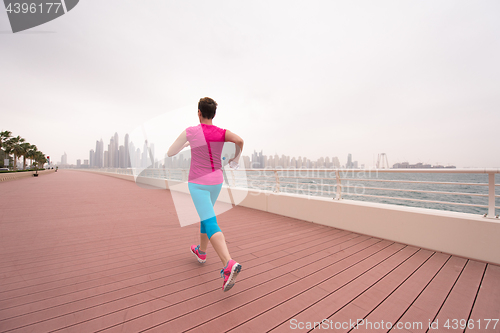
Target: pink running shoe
pixel 229 273
pixel 196 251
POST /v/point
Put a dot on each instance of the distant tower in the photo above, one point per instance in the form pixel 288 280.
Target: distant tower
pixel 336 162
pixel 349 162
pixel 127 152
pixel 111 153
pixel 99 154
pixel 64 159
pixel 116 147
pixel 121 157
pixel 382 161
pixel 152 154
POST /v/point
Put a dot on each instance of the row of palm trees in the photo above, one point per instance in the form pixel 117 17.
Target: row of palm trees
pixel 20 148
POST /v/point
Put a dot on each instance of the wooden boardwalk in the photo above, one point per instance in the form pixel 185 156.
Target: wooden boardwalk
pixel 83 252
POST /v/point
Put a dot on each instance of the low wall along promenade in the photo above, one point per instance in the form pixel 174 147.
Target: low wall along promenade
pixel 467 235
pixel 6 176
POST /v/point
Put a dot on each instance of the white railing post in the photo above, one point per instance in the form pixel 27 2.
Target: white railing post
pixel 232 176
pixel 491 195
pixel 339 186
pixel 277 181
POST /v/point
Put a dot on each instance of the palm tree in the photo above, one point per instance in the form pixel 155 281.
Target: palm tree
pixel 4 138
pixel 40 159
pixel 26 147
pixel 16 148
pixel 31 153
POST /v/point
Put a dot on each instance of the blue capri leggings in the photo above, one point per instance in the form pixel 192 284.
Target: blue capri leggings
pixel 204 197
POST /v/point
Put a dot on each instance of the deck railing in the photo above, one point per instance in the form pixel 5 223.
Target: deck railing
pixel 342 183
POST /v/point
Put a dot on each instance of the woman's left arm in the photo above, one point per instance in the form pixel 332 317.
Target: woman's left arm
pixel 178 145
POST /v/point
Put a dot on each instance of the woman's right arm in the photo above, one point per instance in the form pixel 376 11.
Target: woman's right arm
pixel 231 137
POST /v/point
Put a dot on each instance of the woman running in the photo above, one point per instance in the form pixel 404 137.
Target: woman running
pixel 205 182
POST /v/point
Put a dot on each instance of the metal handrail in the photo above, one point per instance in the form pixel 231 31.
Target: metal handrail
pixel 411 199
pixel 339 175
pixel 404 190
pixel 418 182
pixel 422 191
pixel 491 183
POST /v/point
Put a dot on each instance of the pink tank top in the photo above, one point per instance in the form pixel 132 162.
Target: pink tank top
pixel 206 142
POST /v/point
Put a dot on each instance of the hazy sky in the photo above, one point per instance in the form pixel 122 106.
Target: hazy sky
pixel 417 80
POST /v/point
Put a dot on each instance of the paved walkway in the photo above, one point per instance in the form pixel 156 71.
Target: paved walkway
pixel 83 252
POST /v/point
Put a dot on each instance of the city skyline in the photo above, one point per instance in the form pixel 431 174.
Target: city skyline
pixel 119 156
pixel 127 155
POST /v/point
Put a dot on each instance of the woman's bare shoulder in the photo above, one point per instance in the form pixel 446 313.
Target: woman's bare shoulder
pixel 232 137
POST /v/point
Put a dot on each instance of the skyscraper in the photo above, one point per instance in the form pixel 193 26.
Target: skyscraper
pixel 256 160
pixel 151 152
pixel 111 153
pixel 144 159
pixel 127 153
pixel 121 155
pixel 328 165
pixel 321 162
pixel 116 157
pixel 336 162
pixel 99 154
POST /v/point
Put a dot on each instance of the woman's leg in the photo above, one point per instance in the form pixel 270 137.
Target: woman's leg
pixel 202 202
pixel 218 242
pixel 204 198
pixel 217 239
pixel 203 242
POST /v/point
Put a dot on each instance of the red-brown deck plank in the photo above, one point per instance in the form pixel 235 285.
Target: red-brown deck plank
pixel 320 308
pixel 133 277
pixel 425 308
pixel 394 306
pixel 458 304
pixel 376 297
pixel 94 253
pixel 180 298
pixel 486 304
pixel 261 291
pixel 102 298
pixel 133 263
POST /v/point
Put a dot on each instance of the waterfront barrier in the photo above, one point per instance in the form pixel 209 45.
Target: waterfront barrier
pixel 463 234
pixel 6 176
